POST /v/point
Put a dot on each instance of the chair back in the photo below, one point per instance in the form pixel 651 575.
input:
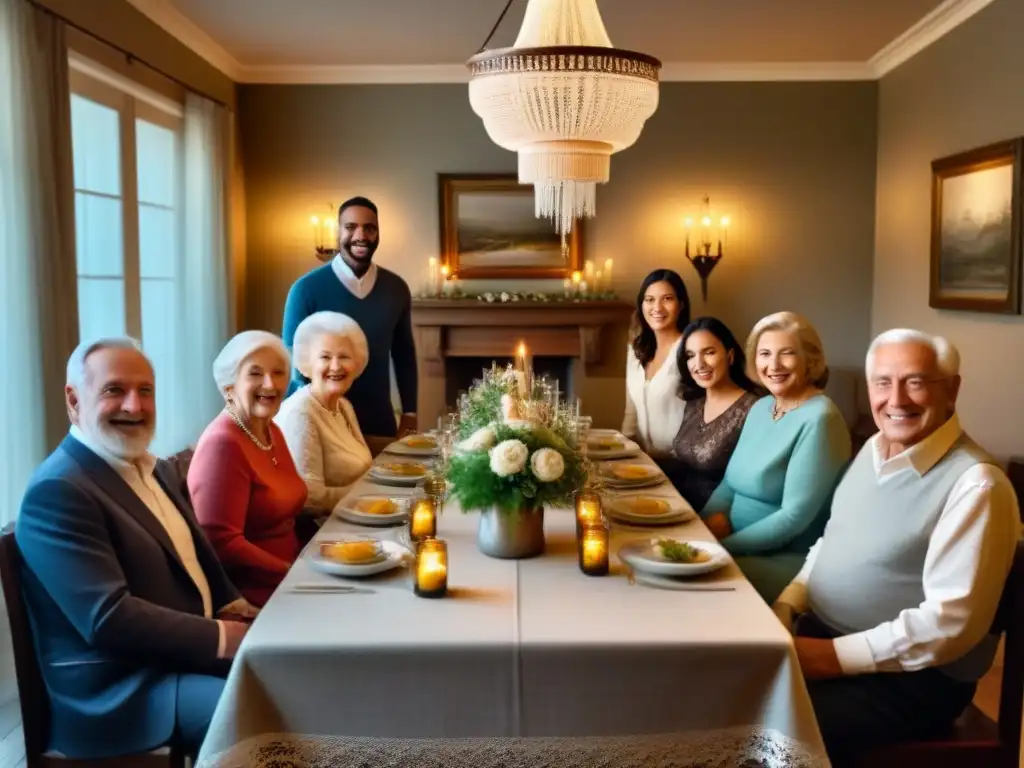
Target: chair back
pixel 1010 618
pixel 35 704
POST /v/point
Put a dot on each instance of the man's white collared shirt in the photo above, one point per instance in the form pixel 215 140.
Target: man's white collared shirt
pixel 139 476
pixel 970 553
pixel 359 287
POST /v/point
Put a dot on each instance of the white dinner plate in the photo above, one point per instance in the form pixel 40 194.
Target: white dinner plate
pixel 393 554
pixel 383 473
pixel 645 475
pixel 676 510
pixel 625 449
pixel 640 555
pixel 350 509
pixel 403 448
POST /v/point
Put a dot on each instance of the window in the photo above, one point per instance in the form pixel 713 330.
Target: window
pixel 127 146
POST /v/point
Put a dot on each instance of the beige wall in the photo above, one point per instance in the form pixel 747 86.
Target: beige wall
pixel 794 165
pixel 964 91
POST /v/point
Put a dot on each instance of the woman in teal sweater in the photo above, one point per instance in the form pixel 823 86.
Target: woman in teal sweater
pixel 775 498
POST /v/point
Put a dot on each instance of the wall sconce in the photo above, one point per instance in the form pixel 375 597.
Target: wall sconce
pixel 707 246
pixel 325 235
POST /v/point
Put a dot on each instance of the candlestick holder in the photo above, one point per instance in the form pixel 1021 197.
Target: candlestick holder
pixel 593 546
pixel 422 519
pixel 588 509
pixel 430 571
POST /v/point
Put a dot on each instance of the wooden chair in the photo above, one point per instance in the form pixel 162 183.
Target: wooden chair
pixel 35 706
pixel 975 741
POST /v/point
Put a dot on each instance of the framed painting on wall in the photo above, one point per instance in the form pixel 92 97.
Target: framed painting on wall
pixel 976 230
pixel 489 230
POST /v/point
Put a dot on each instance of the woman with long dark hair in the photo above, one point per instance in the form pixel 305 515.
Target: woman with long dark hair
pixel 653 409
pixel 718 394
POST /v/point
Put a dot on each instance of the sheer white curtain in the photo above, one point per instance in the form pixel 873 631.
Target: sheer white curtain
pixel 204 290
pixel 38 308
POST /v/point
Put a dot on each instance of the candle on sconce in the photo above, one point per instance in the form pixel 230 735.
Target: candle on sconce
pixel 593 549
pixel 588 270
pixel 608 274
pixel 430 575
pixel 330 237
pixel 576 280
pixel 446 289
pixel 723 238
pixel 423 519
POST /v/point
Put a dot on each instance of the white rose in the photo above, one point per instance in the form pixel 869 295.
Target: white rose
pixel 508 457
pixel 480 440
pixel 547 465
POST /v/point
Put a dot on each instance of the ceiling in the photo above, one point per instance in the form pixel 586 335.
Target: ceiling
pixel 429 40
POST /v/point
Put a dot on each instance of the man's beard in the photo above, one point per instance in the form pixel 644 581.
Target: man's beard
pixel 118 444
pixel 363 261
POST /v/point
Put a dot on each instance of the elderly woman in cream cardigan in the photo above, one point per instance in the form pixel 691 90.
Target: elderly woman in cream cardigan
pixel 317 420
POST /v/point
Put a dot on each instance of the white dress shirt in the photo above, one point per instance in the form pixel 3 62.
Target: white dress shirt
pixel 654 409
pixel 139 477
pixel 969 557
pixel 359 287
pixel 327 446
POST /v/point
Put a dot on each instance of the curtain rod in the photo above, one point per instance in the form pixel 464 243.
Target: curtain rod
pixel 129 56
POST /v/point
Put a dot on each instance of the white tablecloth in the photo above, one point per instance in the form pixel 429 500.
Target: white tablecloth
pixel 521 656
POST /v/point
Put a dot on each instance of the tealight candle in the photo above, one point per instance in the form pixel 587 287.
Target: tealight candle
pixel 431 575
pixel 588 509
pixel 423 519
pixel 593 550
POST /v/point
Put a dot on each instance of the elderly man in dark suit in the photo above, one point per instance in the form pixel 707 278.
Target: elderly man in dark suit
pixel 134 620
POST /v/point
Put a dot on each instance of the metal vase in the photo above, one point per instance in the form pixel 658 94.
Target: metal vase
pixel 511 534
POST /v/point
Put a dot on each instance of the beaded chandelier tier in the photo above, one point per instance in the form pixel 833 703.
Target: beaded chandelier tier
pixel 564 100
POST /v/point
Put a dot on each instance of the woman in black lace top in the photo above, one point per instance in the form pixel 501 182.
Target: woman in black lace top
pixel 718 396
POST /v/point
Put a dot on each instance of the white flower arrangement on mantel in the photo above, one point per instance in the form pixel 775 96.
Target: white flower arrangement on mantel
pixel 524 297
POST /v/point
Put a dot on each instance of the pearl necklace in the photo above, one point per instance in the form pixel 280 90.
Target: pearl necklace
pixel 241 425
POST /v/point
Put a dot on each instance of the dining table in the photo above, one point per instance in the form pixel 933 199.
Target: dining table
pixel 524 662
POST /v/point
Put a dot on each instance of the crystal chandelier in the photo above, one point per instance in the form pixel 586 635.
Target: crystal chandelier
pixel 565 100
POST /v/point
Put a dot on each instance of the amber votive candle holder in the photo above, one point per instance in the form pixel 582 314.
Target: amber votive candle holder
pixel 430 574
pixel 436 487
pixel 423 518
pixel 593 545
pixel 588 510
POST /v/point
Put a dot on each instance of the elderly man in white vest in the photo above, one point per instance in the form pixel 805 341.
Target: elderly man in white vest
pixel 894 606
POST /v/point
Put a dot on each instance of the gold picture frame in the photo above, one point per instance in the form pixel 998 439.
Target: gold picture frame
pixel 489 230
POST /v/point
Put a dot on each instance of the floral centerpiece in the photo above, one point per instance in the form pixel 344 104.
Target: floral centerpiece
pixel 516 453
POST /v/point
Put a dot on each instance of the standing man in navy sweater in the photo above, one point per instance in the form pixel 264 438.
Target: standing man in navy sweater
pixel 377 299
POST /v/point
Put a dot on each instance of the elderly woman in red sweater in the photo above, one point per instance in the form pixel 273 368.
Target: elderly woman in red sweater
pixel 242 480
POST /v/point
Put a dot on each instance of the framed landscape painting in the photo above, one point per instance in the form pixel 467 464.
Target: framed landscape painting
pixel 976 230
pixel 489 230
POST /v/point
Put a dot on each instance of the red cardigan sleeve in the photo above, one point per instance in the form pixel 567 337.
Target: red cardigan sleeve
pixel 220 484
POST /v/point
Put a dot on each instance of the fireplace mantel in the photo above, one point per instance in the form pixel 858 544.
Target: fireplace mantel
pixel 461 328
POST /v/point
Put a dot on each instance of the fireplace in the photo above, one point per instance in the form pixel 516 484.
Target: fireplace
pixel 456 339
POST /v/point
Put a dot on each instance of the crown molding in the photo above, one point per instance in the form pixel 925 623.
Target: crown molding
pixel 757 71
pixel 939 22
pixel 942 20
pixel 165 15
pixel 458 73
pixel 390 74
